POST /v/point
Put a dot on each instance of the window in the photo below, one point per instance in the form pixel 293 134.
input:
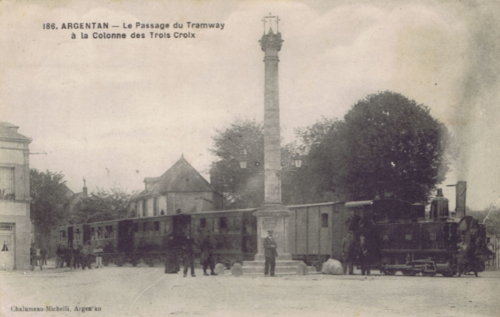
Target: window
pixel 203 223
pixel 223 223
pixel 157 226
pixel 144 226
pixel 62 235
pixel 324 220
pixel 109 232
pixel 155 206
pixel 7 183
pixel 145 207
pixel 6 236
pixel 77 234
pixel 6 226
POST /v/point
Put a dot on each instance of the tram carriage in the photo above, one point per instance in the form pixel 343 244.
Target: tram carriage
pixel 315 232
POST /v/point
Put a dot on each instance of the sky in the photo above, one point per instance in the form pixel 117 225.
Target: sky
pixel 114 111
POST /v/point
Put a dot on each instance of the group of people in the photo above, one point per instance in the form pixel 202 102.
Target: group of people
pixel 355 250
pixel 79 256
pixel 183 247
pixel 38 257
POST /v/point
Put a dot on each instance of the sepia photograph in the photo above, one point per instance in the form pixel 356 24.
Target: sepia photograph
pixel 249 158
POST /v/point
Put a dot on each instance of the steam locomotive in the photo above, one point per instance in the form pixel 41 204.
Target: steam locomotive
pixel 400 235
pixel 403 239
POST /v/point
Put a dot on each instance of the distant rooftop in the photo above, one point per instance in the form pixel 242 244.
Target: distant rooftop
pixel 181 177
pixel 8 131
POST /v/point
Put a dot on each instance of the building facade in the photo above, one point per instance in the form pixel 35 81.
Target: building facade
pixel 15 224
pixel 181 189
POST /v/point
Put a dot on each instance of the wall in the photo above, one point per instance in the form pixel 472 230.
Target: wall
pixel 189 202
pixel 15 211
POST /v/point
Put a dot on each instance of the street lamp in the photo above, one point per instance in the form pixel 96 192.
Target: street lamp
pixel 297 161
pixel 243 159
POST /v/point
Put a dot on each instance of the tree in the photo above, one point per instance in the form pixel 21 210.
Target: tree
pixel 103 205
pixel 386 145
pixel 242 140
pixel 303 186
pixel 490 216
pixel 48 199
pixel 311 136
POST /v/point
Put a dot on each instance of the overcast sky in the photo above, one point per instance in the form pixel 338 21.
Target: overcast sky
pixel 116 111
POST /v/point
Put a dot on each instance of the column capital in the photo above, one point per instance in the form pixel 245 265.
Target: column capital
pixel 271 42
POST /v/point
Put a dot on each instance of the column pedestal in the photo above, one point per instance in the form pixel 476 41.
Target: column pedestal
pixel 273 217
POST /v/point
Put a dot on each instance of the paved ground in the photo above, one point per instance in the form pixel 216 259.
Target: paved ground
pixel 145 291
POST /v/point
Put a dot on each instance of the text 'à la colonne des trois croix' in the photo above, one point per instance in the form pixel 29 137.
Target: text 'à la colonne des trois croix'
pixel 137 29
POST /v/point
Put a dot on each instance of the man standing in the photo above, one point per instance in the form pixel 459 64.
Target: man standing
pixel 33 257
pixel 84 256
pixel 172 249
pixel 363 255
pixel 207 254
pixel 59 256
pixel 43 255
pixel 270 253
pixel 98 251
pixel 76 259
pixel 348 253
pixel 188 254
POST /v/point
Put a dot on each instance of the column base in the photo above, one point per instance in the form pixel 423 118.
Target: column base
pixel 281 257
pixel 283 267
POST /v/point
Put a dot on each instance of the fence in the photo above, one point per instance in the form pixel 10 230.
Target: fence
pixel 494 264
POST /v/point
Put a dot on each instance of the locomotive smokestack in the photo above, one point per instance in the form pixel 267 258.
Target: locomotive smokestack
pixel 461 191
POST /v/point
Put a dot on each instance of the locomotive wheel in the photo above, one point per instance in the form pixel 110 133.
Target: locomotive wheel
pixel 408 272
pixel 390 272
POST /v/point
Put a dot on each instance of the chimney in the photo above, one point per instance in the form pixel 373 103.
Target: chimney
pixel 461 191
pixel 85 192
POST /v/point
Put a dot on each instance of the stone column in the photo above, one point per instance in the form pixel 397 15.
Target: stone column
pixel 272 215
pixel 271 45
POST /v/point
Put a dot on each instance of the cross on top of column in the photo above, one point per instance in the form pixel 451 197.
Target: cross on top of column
pixel 271 19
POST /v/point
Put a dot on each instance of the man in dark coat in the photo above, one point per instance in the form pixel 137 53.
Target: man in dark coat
pixel 188 254
pixel 363 255
pixel 59 256
pixel 85 256
pixel 33 261
pixel 270 253
pixel 68 257
pixel 43 255
pixel 172 250
pixel 76 259
pixel 348 253
pixel 207 254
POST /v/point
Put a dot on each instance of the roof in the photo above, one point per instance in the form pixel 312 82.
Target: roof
pixel 9 131
pixel 181 177
pixel 354 204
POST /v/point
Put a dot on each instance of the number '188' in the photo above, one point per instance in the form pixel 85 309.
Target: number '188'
pixel 49 26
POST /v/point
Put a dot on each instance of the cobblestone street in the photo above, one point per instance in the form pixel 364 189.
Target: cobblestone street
pixel 145 291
